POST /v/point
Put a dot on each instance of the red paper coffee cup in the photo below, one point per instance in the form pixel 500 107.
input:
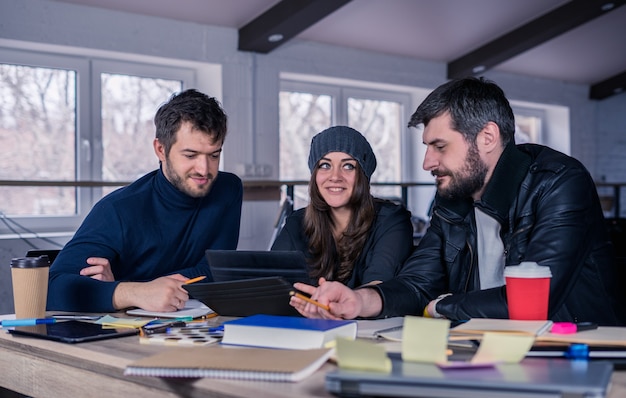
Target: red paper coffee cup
pixel 528 291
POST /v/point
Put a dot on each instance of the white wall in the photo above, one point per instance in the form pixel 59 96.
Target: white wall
pixel 250 85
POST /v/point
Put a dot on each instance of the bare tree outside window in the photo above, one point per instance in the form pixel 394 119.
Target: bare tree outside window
pixel 38 108
pixel 75 128
pixel 302 115
pixel 129 104
pixel 379 122
pixel 37 134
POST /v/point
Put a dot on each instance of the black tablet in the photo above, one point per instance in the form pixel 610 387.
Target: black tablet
pixel 72 331
pixel 232 265
pixel 269 295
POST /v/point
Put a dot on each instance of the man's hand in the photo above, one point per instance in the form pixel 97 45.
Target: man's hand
pixel 99 269
pixel 163 294
pixel 430 309
pixel 344 303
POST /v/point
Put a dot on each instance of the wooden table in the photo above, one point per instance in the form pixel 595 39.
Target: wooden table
pixel 41 368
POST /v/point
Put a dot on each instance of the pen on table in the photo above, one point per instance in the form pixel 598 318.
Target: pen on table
pixel 194 280
pixel 387 330
pixel 26 322
pixel 309 300
pixel 152 328
pixel 79 317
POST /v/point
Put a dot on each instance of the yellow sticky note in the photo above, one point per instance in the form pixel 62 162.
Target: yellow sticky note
pixel 425 339
pixel 502 347
pixel 111 321
pixel 362 355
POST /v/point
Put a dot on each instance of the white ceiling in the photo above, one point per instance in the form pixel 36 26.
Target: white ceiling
pixel 436 30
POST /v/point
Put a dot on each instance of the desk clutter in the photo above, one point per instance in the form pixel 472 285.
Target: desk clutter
pixel 477 357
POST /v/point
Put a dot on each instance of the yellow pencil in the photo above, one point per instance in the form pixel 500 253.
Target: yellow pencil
pixel 193 280
pixel 309 300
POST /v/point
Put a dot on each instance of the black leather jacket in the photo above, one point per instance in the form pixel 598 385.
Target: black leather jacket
pixel 388 245
pixel 548 207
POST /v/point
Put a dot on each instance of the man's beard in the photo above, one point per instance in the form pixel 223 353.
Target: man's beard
pixel 467 181
pixel 179 182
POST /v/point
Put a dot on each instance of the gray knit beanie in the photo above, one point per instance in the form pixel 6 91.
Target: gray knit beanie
pixel 343 139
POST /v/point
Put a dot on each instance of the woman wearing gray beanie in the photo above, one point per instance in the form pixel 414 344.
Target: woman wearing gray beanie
pixel 347 235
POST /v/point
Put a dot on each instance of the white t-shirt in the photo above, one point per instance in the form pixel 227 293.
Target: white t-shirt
pixel 490 251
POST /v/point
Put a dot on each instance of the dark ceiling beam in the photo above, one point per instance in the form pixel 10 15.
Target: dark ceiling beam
pixel 534 33
pixel 606 88
pixel 284 20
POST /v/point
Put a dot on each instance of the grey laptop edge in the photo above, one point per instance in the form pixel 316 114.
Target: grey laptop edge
pixel 533 377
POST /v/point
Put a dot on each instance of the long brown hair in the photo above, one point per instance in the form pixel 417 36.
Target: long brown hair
pixel 334 260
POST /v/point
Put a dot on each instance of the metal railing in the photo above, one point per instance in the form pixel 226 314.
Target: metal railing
pixel 615 187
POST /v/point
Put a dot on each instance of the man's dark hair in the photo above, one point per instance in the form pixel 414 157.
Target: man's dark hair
pixel 204 112
pixel 472 103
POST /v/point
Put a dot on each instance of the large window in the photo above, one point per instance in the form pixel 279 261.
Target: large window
pixel 307 108
pixel 38 136
pixel 70 119
pixel 129 100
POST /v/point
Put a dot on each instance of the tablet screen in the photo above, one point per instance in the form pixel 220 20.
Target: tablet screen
pixel 72 331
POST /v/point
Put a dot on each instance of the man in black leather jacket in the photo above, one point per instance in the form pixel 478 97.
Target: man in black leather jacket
pixel 497 205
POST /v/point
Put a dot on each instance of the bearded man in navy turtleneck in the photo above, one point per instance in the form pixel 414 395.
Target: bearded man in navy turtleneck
pixel 139 244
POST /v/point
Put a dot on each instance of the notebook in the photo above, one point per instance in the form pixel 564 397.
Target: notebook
pixel 229 265
pixel 532 377
pixel 478 326
pixel 193 308
pixel 274 331
pixel 232 363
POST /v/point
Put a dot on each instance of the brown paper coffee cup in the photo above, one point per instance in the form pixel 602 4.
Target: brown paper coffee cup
pixel 30 286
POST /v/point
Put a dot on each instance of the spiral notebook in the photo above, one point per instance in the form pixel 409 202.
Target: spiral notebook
pixel 263 364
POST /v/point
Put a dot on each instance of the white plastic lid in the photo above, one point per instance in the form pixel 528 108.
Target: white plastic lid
pixel 527 269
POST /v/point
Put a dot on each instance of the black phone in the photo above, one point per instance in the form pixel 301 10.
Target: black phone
pixel 72 331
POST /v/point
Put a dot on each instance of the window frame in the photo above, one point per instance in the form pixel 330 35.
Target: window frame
pixel 88 149
pixel 340 92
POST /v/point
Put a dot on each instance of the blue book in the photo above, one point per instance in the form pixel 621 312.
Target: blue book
pixel 290 332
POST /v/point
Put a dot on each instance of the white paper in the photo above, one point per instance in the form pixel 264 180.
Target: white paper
pixel 193 308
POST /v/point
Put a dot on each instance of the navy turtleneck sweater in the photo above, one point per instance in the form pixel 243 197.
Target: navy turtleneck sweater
pixel 147 230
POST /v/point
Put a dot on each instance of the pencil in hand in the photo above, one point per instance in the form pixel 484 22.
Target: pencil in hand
pixel 193 280
pixel 309 300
